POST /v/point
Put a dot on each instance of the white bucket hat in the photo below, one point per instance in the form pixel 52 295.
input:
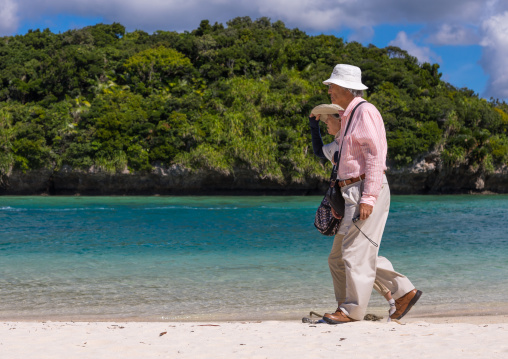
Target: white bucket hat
pixel 346 76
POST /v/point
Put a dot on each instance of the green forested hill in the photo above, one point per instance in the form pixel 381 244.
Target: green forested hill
pixel 220 97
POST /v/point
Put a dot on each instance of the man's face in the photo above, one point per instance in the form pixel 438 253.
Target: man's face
pixel 337 94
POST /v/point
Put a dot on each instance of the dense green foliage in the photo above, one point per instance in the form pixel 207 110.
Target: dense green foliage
pixel 220 97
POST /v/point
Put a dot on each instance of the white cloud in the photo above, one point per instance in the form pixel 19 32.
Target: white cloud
pixel 495 55
pixel 454 35
pixel 8 17
pixel 314 15
pixel 422 53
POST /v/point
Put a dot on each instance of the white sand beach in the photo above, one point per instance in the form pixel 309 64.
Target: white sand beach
pixel 452 337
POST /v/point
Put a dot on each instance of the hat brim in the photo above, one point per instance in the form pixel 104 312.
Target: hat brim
pixel 346 84
pixel 326 109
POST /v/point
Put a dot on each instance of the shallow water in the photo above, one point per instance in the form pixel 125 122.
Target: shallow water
pixel 178 258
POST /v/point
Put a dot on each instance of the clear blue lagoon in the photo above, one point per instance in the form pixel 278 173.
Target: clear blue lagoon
pixel 227 258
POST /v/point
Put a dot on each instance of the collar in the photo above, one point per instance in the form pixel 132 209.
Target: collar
pixel 352 105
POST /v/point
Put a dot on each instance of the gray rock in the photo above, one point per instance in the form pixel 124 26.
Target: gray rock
pixel 426 176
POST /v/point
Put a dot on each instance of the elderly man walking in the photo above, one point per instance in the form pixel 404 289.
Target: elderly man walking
pixel 354 262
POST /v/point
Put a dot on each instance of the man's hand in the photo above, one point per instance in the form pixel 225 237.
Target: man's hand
pixel 335 214
pixel 365 211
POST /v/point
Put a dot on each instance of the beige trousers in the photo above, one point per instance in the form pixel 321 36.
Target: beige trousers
pixel 380 288
pixel 354 262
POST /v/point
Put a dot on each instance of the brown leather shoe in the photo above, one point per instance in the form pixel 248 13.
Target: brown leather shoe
pixel 337 318
pixel 404 303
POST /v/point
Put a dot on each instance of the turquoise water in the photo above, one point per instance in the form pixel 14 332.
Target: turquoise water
pixel 196 258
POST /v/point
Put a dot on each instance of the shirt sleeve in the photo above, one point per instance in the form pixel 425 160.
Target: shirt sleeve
pixel 317 141
pixel 372 139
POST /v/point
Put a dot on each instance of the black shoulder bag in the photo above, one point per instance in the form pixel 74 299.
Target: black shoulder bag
pixel 324 220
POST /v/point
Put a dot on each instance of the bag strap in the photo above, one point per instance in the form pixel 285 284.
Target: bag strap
pixel 336 155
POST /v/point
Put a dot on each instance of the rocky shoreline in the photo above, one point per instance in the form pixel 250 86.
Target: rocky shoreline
pixel 424 177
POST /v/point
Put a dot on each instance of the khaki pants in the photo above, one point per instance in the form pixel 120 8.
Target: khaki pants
pixel 354 262
pixel 380 288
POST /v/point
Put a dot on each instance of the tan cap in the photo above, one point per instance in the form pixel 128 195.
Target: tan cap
pixel 327 109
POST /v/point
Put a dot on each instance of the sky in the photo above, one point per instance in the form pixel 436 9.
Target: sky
pixel 467 38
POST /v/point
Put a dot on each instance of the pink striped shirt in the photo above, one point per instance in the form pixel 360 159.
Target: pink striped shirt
pixel 365 147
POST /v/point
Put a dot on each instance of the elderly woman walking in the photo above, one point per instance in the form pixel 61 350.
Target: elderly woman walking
pixel 333 124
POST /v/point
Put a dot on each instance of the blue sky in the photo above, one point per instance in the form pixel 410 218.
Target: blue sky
pixel 467 38
pixel 459 64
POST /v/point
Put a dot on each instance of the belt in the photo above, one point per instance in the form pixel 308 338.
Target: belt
pixel 351 180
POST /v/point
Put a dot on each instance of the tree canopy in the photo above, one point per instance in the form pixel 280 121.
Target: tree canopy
pixel 220 97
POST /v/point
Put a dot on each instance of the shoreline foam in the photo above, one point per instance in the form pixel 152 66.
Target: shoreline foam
pixel 420 311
